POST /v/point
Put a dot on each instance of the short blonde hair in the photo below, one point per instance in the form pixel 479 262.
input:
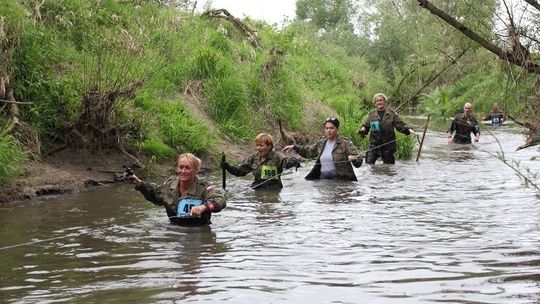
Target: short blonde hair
pixel 194 160
pixel 265 138
pixel 379 95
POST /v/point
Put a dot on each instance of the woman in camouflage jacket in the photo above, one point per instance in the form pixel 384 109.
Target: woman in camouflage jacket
pixel 334 154
pixel 266 164
pixel 187 200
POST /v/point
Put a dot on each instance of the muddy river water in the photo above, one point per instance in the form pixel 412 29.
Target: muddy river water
pixel 458 226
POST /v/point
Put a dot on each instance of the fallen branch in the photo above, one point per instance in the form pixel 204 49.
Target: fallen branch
pixel 241 26
pixel 532 133
pixel 15 102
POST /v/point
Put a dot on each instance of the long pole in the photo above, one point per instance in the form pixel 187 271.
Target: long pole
pixel 423 136
pixel 223 172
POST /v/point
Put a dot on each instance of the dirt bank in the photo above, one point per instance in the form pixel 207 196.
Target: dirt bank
pixel 67 171
pixel 70 171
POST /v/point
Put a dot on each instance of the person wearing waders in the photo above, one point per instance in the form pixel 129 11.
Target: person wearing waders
pixel 336 155
pixel 463 125
pixel 381 123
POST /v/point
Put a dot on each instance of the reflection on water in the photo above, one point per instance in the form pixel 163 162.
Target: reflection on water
pixel 460 152
pixel 456 227
pixel 388 170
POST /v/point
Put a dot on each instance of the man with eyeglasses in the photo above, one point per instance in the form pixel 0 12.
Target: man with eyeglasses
pixel 381 124
pixel 463 125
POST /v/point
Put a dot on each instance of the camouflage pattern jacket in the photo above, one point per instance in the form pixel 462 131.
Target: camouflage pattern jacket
pixel 382 131
pixel 342 149
pixel 266 172
pixel 168 196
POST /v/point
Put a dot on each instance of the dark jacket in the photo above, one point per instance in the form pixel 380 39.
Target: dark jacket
pixel 167 195
pixel 267 173
pixel 342 149
pixel 464 126
pixel 382 131
pixel 496 118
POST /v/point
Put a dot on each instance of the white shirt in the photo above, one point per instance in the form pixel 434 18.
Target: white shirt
pixel 328 168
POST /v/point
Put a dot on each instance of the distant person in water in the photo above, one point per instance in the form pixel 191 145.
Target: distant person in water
pixel 382 139
pixel 463 125
pixel 334 153
pixel 187 200
pixel 266 164
pixel 496 115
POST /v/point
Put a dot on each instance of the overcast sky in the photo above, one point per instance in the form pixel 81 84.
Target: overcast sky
pixel 272 11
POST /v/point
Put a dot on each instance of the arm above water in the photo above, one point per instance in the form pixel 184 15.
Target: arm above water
pixel 150 191
pixel 353 154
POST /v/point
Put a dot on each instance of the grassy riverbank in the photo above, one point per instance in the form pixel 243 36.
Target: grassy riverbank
pixel 152 82
pixel 155 81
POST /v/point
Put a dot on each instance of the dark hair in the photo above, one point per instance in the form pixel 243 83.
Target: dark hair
pixel 333 121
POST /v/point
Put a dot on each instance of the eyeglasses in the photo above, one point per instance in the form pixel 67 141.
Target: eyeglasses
pixel 333 121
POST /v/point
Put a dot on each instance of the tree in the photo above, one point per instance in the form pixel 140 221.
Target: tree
pixel 415 50
pixel 508 46
pixel 326 14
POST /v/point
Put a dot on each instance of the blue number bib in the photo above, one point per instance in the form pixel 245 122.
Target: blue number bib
pixel 375 125
pixel 185 205
pixel 495 120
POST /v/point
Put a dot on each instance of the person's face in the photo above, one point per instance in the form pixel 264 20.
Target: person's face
pixel 186 170
pixel 496 108
pixel 330 130
pixel 467 109
pixel 262 148
pixel 380 103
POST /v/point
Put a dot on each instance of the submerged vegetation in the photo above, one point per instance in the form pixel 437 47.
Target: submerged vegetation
pixel 129 75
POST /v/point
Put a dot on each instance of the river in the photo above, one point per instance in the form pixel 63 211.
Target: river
pixel 458 226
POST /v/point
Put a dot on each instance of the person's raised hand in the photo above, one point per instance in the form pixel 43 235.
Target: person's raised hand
pixel 362 132
pixel 133 179
pixel 287 148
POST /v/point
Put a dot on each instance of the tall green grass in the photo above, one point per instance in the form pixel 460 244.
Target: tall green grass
pixel 11 156
pixel 78 44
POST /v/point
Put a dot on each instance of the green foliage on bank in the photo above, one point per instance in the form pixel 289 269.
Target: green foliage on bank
pixel 11 156
pixel 482 88
pixel 69 48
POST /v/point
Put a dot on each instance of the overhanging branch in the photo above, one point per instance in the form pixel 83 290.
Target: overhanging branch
pixel 505 55
pixel 534 3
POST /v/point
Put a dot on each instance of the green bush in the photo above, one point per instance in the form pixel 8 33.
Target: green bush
pixel 181 130
pixel 155 147
pixel 208 62
pixel 405 146
pixel 11 157
pixel 225 97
